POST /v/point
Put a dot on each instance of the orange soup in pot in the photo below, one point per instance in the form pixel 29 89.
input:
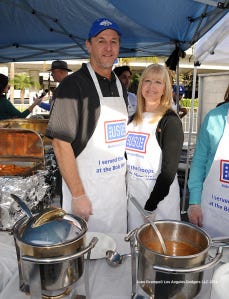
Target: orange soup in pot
pixel 173 248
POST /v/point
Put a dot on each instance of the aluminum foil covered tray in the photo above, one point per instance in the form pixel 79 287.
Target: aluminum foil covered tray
pixel 22 171
pixel 34 190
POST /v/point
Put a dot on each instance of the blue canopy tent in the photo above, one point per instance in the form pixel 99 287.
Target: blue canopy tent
pixel 56 29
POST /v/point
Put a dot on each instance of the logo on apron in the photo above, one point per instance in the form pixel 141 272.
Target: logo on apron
pixel 137 142
pixel 115 130
pixel 224 171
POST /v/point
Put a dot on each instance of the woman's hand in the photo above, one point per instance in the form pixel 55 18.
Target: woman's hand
pixel 195 215
pixel 37 100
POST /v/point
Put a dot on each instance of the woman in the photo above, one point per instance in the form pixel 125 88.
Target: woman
pixel 7 109
pixel 154 142
pixel 209 177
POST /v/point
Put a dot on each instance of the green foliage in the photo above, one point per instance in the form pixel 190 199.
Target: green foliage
pixel 134 82
pixel 22 81
pixel 188 103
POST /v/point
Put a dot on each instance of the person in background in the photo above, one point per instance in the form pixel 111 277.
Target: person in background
pixel 88 126
pixel 7 109
pixel 59 70
pixel 176 105
pixel 124 74
pixel 226 97
pixel 153 146
pixel 208 181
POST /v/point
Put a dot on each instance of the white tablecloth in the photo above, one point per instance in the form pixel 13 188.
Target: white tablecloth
pixel 105 282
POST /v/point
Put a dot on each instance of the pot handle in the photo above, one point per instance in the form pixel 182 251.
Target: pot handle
pixel 223 242
pixel 194 269
pixel 130 235
pixel 60 259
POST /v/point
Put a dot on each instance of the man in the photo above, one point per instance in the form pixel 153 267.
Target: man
pixel 181 111
pixel 209 174
pixel 59 70
pixel 88 127
pixel 124 74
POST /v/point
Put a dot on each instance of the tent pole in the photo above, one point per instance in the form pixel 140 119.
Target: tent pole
pixel 178 84
pixel 183 209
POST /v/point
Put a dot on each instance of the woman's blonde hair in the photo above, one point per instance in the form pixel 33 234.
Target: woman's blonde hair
pixel 166 98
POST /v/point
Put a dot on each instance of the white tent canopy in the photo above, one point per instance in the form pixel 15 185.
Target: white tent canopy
pixel 213 47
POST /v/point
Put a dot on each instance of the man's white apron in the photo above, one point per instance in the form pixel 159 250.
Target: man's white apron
pixel 143 168
pixel 215 194
pixel 102 166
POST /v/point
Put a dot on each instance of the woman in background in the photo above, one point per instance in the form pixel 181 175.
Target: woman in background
pixel 7 109
pixel 154 143
pixel 209 173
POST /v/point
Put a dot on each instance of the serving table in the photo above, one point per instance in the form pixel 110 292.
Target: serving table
pixel 105 281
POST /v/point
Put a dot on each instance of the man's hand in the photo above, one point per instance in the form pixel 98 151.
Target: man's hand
pixel 82 206
pixel 195 215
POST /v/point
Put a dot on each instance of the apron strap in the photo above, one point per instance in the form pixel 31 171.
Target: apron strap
pixel 94 78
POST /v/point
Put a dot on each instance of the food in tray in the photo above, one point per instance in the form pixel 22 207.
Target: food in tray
pixel 12 169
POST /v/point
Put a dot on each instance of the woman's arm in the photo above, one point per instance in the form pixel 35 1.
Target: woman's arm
pixel 171 142
pixel 13 112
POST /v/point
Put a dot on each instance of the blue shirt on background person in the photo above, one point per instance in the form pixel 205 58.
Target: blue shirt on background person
pixel 207 143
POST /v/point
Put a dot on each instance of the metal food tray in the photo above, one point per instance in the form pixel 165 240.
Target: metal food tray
pixel 20 149
pixel 37 125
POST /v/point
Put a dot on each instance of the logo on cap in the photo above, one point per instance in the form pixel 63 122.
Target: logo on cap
pixel 105 23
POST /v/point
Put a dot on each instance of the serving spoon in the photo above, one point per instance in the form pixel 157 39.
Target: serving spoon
pixel 114 258
pixel 147 217
pixel 23 205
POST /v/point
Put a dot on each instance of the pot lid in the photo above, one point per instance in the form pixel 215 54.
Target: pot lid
pixel 53 227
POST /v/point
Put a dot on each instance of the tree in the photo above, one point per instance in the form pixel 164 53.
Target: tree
pixel 134 82
pixel 22 81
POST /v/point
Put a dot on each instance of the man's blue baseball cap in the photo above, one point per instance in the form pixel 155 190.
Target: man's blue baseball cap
pixel 181 89
pixel 102 24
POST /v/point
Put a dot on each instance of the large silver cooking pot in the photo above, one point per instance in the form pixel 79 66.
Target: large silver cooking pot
pixel 50 251
pixel 178 273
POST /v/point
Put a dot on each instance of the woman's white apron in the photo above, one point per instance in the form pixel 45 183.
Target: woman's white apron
pixel 143 168
pixel 102 166
pixel 215 194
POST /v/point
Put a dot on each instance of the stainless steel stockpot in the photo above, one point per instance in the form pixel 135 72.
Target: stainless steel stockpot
pixel 173 276
pixel 50 256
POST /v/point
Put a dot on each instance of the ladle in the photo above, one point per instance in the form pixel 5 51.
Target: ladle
pixel 114 258
pixel 21 203
pixel 47 216
pixel 147 217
